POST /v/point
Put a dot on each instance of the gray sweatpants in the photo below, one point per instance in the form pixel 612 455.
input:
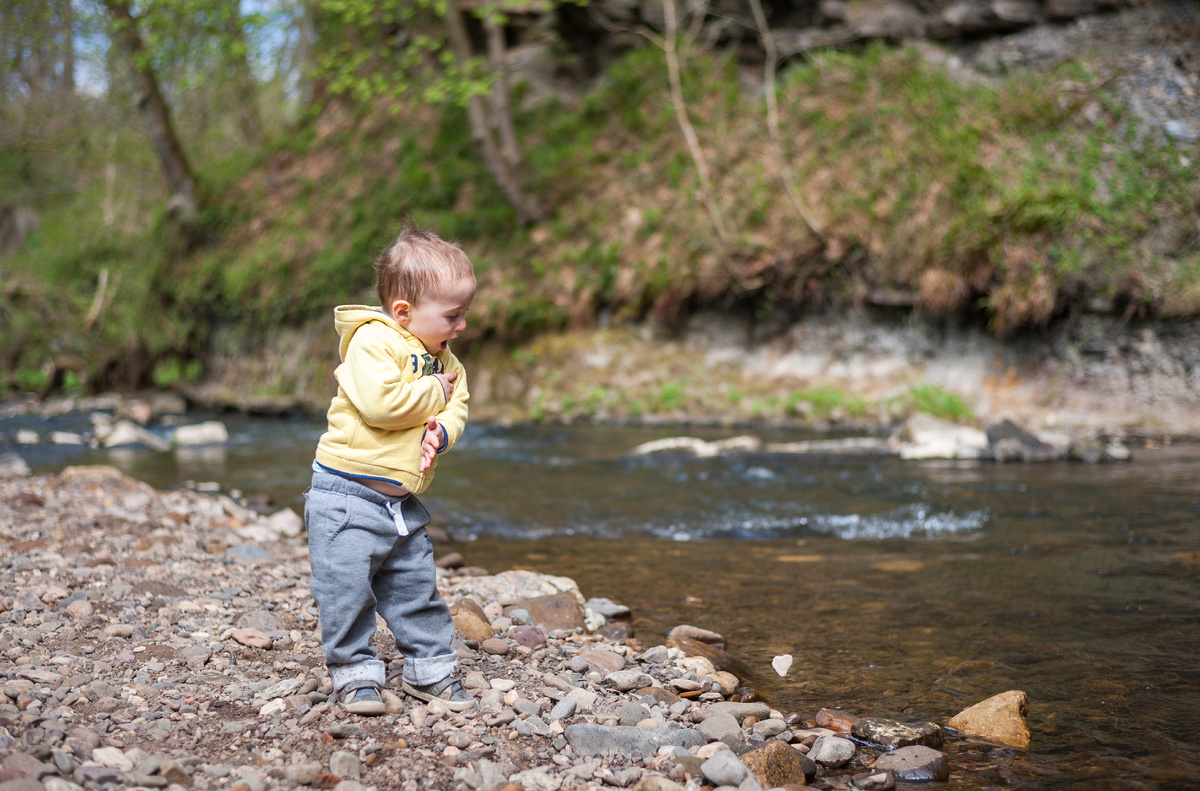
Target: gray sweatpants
pixel 360 564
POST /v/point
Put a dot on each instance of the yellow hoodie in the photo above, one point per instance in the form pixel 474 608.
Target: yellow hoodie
pixel 386 394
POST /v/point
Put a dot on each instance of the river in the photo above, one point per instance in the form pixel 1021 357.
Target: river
pixel 902 589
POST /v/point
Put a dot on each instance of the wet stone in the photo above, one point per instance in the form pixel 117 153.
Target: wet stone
pixel 915 764
pixel 777 764
pixel 832 751
pixel 891 735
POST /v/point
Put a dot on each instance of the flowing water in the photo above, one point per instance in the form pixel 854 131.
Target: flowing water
pixel 902 589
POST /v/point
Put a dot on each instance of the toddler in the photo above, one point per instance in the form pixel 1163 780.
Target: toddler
pixel 401 401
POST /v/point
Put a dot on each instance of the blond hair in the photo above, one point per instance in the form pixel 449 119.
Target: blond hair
pixel 417 263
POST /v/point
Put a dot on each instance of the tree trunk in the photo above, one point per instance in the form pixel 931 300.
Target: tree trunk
pixel 237 54
pixel 501 107
pixel 66 21
pixel 181 183
pixel 506 179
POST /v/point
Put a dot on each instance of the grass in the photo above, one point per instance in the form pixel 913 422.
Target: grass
pixel 933 400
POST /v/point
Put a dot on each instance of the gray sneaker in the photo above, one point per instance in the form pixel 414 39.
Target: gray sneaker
pixel 362 697
pixel 448 692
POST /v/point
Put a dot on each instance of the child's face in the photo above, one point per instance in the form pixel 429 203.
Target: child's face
pixel 440 316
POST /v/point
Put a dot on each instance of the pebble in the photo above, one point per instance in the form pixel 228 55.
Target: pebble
pixel 186 680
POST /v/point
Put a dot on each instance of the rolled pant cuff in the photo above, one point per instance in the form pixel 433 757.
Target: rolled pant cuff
pixel 368 670
pixel 429 670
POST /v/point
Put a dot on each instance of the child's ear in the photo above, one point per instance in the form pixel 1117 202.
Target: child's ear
pixel 400 311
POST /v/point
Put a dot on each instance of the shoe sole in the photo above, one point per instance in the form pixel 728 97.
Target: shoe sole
pixel 453 705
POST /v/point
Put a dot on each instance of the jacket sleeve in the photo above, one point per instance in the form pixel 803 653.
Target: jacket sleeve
pixel 376 385
pixel 453 417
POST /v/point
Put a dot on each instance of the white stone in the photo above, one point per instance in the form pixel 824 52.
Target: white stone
pixel 782 664
pixel 271 708
pixel 111 756
pixel 285 522
pixel 27 437
pixel 127 432
pixel 66 438
pixel 212 432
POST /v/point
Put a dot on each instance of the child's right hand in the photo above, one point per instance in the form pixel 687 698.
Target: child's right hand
pixel 447 380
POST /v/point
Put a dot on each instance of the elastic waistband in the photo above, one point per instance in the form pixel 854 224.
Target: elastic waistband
pixel 332 482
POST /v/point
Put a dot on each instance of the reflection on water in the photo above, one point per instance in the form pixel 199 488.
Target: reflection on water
pixel 902 589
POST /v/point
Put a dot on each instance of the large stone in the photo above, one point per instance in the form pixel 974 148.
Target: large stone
pixel 725 769
pixel 212 432
pixel 470 620
pixel 720 727
pixel 832 751
pixel 510 587
pixel 776 764
pixel 603 660
pixel 13 466
pixel 740 711
pixel 915 764
pixel 836 720
pixel 589 740
pixel 691 647
pixel 1000 718
pixel 556 612
pixel 891 735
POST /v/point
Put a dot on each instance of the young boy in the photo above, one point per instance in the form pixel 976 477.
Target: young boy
pixel 401 401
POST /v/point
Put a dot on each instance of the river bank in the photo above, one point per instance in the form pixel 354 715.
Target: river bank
pixel 1095 374
pixel 167 639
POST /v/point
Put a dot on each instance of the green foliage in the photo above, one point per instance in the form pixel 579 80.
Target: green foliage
pixel 933 400
pixel 173 370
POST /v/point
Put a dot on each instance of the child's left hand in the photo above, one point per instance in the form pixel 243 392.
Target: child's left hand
pixel 435 437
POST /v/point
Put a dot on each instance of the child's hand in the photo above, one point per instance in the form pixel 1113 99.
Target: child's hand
pixel 435 437
pixel 447 380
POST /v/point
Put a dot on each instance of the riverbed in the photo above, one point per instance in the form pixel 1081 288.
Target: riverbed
pixel 902 589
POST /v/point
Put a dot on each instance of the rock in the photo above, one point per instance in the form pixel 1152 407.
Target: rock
pixel 495 645
pixel 13 466
pixel 890 734
pixel 589 740
pixel 628 680
pixel 285 522
pixel 451 560
pixel 1000 718
pixel 528 636
pixel 699 447
pixel 782 664
pixel 252 638
pixel 113 757
pixel 914 764
pixel 345 765
pixel 657 783
pixel 720 727
pixel 601 660
pixel 212 432
pixel 724 769
pixel 740 711
pixel 927 437
pixel 81 608
pixel 469 619
pixel 836 720
pixel 563 709
pixel 126 433
pixel 873 781
pixel 1010 442
pixel 248 553
pixel 719 658
pixel 832 751
pixel 776 764
pixel 607 608
pixel 301 774
pixel 555 612
pixel 696 633
pixel 509 587
pixel 22 784
pixel 658 655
